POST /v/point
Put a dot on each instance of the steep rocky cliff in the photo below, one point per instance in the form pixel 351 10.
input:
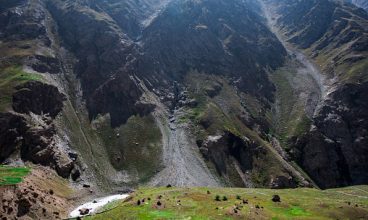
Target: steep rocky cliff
pixel 335 36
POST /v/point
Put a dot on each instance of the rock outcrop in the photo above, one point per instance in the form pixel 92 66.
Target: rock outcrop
pixel 45 64
pixel 31 131
pixel 34 143
pixel 220 148
pixel 38 98
pixel 12 127
pixel 231 154
pixel 360 3
pixel 334 153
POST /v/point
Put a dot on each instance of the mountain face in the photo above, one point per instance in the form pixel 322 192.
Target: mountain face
pixel 337 40
pixel 112 94
pixel 360 3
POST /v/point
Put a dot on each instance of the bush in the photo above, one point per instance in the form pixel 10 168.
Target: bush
pixel 217 198
pixel 224 198
pixel 238 197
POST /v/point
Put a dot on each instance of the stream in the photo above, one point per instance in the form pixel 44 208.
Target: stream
pixel 94 206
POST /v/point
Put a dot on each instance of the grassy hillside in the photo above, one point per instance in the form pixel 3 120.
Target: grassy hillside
pixel 223 113
pixel 333 34
pixel 12 175
pixel 236 203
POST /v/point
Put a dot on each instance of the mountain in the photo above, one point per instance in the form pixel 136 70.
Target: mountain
pixel 360 3
pixel 336 40
pixel 112 94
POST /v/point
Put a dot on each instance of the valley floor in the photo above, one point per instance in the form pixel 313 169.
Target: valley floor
pixel 236 203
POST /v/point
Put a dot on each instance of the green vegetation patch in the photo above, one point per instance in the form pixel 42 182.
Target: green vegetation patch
pixel 12 175
pixel 11 77
pixel 209 203
pixel 134 146
pixel 355 72
pixel 289 118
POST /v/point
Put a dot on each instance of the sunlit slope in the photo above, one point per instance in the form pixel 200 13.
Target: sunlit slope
pixel 201 203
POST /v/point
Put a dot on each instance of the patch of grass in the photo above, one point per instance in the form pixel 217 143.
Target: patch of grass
pixel 303 125
pixel 297 211
pixel 17 50
pixel 289 117
pixel 134 146
pixel 12 175
pixel 195 203
pixel 356 72
pixel 337 61
pixel 11 77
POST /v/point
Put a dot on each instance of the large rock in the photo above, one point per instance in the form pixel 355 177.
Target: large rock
pixel 37 144
pixel 39 147
pixel 282 182
pixel 24 22
pixel 64 165
pixel 24 206
pixel 120 98
pixel 45 64
pixel 39 98
pixel 34 142
pixel 221 149
pixel 11 129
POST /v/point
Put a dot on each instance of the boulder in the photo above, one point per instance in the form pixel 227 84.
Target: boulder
pixel 276 198
pixel 39 98
pixel 213 90
pixel 63 165
pixel 23 207
pixel 45 64
pixel 283 182
pixel 84 211
pixel 75 174
pixel 11 130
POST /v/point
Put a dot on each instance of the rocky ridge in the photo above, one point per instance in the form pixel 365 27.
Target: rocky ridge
pixel 337 124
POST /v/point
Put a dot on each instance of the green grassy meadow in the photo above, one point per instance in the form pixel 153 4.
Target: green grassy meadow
pixel 12 175
pixel 237 203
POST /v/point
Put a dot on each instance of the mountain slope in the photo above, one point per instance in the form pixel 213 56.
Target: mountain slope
pixel 87 44
pixel 337 43
pixel 360 3
pixel 113 94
